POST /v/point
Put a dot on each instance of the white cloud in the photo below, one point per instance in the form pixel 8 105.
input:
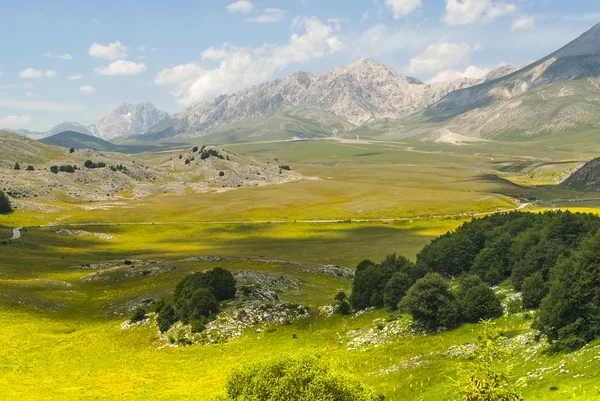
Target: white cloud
pixel 471 72
pixel 440 56
pixel 121 67
pixel 33 94
pixel 87 90
pixel 364 17
pixel 402 8
pixel 243 67
pixel 241 6
pixel 32 73
pixel 141 48
pixel 269 15
pixel 73 77
pixel 65 56
pixel 523 23
pixel 382 39
pixel 15 120
pixel 28 85
pixel 465 12
pixel 12 103
pixel 112 51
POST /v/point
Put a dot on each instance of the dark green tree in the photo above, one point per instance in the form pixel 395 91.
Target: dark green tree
pixel 477 300
pixel 17 166
pixel 138 315
pixel 431 303
pixel 166 317
pixel 200 304
pixel 534 289
pixel 54 169
pixel 4 203
pixel 396 289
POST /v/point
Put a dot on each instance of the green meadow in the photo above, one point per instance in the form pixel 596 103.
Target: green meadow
pixel 61 335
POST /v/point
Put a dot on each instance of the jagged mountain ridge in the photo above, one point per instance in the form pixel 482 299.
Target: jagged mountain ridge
pixel 126 120
pixel 578 59
pixel 358 93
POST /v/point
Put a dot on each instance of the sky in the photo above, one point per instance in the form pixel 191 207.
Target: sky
pixel 78 60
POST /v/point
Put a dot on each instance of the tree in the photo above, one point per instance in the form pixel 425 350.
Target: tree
pixel 89 164
pixel 569 315
pixel 166 317
pixel 30 168
pixel 201 304
pixel 431 303
pixel 4 203
pixel 366 288
pixel 340 296
pixel 396 289
pixel 17 166
pixel 477 300
pixel 54 169
pixel 71 150
pixel 195 149
pixel 295 378
pixel 481 379
pixel 534 289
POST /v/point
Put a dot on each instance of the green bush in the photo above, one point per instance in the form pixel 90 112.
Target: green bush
pixel 396 289
pixel 298 378
pixel 4 203
pixel 166 317
pixel 198 305
pixel 66 169
pixel 477 300
pixel 219 281
pixel 285 167
pixel 344 308
pixel 431 303
pixel 221 173
pixel 54 169
pixel 17 166
pixel 534 289
pixel 30 168
pixel 138 315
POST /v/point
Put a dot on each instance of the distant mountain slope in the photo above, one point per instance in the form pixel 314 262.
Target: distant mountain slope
pixel 15 148
pixel 76 140
pixel 586 178
pixel 580 59
pixel 361 92
pixel 128 119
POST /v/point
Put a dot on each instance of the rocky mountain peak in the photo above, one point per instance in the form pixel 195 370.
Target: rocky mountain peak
pixel 128 119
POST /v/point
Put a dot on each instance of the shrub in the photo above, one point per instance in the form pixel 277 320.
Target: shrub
pixel 54 169
pixel 431 303
pixel 30 168
pixel 195 149
pixel 17 166
pixel 166 318
pixel 534 289
pixel 344 308
pixel 219 281
pixel 221 173
pixel 296 378
pixel 66 169
pixel 71 150
pixel 89 164
pixel 138 315
pixel 340 296
pixel 206 153
pixel 4 203
pixel 200 304
pixel 285 167
pixel 477 300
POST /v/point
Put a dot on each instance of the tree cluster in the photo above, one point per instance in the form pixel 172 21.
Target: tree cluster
pixel 196 299
pixel 550 257
pixel 206 153
pixel 118 167
pixel 91 164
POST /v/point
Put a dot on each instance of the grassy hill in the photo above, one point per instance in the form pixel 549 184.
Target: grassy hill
pixel 77 140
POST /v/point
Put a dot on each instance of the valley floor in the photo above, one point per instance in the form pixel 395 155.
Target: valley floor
pixel 62 310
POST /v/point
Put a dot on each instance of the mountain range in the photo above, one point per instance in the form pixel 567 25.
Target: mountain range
pixel 127 119
pixel 558 92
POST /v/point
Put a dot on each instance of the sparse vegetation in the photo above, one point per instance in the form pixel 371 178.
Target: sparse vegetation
pixel 91 165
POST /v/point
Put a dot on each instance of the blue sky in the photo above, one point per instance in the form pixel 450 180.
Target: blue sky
pixel 78 60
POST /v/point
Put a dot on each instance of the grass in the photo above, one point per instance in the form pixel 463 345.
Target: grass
pixel 61 337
